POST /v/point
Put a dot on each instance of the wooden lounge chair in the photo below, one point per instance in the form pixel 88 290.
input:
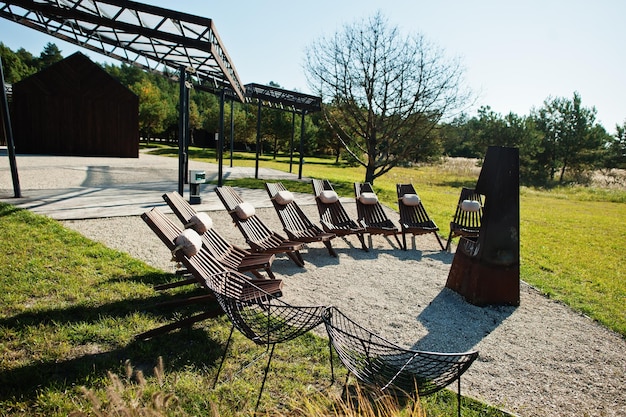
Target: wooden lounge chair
pixel 260 237
pixel 295 223
pixel 252 305
pixel 467 217
pixel 202 266
pixel 381 364
pixel 231 256
pixel 333 215
pixel 371 214
pixel 413 216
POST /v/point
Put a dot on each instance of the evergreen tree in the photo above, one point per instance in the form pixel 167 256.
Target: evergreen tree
pixel 571 139
pixel 51 54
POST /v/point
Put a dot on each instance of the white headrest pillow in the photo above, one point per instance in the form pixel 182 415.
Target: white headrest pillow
pixel 328 196
pixel 284 197
pixel 244 210
pixel 189 242
pixel 411 200
pixel 368 198
pixel 200 222
pixel 470 205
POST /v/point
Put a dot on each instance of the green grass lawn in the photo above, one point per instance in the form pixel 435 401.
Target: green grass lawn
pixel 70 307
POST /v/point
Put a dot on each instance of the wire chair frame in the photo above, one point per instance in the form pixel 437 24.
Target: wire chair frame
pixel 414 219
pixel 333 216
pixel 295 222
pixel 389 367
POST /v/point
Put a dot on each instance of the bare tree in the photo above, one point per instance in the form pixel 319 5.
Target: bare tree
pixel 384 93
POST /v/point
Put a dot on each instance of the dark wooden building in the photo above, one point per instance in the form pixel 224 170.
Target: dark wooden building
pixel 75 108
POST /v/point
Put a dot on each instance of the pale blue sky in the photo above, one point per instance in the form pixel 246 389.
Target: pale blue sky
pixel 516 54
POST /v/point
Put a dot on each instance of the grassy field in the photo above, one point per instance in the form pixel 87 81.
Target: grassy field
pixel 70 308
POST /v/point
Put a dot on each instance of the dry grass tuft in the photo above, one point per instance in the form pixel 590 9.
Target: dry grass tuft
pixel 129 397
pixel 358 403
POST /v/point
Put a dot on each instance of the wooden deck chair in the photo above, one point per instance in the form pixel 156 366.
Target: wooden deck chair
pixel 467 217
pixel 202 267
pixel 252 305
pixel 371 214
pixel 333 215
pixel 295 223
pixel 260 237
pixel 381 364
pixel 228 254
pixel 413 216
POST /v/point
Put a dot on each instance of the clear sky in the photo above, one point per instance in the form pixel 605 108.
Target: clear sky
pixel 516 53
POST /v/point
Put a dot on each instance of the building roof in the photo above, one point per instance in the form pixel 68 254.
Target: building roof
pixel 275 97
pixel 150 37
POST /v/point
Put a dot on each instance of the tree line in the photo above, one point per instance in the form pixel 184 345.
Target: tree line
pixel 385 97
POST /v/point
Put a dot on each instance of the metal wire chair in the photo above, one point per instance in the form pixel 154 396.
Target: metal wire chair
pixel 380 363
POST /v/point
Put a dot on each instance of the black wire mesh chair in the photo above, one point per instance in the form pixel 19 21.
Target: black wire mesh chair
pixel 262 318
pixel 261 238
pixel 295 223
pixel 333 215
pixel 413 216
pixel 230 255
pixel 384 365
pixel 253 306
pixel 372 216
pixel 465 222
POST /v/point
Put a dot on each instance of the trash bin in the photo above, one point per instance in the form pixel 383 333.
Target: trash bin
pixel 195 179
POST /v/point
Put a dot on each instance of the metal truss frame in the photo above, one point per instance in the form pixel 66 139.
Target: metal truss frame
pixel 149 37
pixel 283 99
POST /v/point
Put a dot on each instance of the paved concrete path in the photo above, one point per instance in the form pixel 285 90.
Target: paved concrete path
pixel 73 188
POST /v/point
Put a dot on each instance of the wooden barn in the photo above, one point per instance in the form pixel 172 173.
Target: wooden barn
pixel 75 108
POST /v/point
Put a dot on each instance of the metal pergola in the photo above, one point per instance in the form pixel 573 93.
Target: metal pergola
pixel 149 37
pixel 291 101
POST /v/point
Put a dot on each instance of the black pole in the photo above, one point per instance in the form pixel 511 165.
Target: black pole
pixel 301 145
pixel 258 141
pixel 232 130
pixel 220 141
pixel 458 395
pixel 293 133
pixel 17 192
pixel 182 123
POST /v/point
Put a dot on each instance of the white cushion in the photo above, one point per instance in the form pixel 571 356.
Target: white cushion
pixel 411 200
pixel 200 222
pixel 470 205
pixel 244 210
pixel 189 242
pixel 284 197
pixel 368 198
pixel 328 197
